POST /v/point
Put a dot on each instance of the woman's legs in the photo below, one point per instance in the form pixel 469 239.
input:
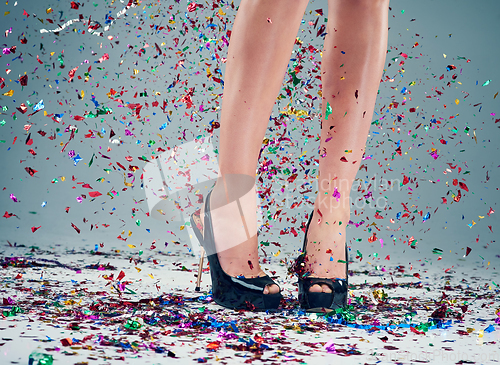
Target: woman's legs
pixel 259 50
pixel 352 65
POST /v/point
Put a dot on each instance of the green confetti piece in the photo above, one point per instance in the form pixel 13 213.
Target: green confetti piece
pixel 296 80
pixel 37 358
pixel 133 324
pixel 437 251
pixel 486 83
pixel 328 110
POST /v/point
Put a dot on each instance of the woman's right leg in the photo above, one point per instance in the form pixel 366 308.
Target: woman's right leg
pixel 261 43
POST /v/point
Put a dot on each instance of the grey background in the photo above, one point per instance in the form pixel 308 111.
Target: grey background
pixel 457 29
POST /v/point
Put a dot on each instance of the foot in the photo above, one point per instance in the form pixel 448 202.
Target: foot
pixel 236 243
pixel 325 246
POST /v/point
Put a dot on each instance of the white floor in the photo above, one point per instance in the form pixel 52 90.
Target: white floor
pixel 55 302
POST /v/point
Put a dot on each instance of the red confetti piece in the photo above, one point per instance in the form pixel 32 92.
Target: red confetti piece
pixel 463 186
pixel 66 342
pixel 8 215
pixel 23 80
pixel 94 194
pixel 34 229
pixel 120 276
pixel 414 330
pixel 468 250
pixel 76 228
pixel 30 171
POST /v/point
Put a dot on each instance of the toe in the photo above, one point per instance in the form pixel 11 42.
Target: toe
pixel 326 289
pixel 271 289
pixel 315 289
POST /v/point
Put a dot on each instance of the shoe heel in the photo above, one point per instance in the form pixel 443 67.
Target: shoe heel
pixel 200 269
pixel 196 228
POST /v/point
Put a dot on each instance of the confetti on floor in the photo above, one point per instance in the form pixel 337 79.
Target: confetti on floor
pixel 83 307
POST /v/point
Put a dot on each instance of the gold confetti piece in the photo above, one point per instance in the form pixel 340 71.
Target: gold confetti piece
pixel 131 246
pixel 138 270
pixel 277 253
pixel 182 227
pixel 151 276
pixel 83 93
pixel 129 233
pixel 63 178
pixel 380 294
pixel 444 55
pixel 221 12
pixel 457 101
pixel 49 10
pixel 136 71
pixel 9 93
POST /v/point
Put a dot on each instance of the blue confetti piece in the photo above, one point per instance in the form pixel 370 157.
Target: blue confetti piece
pixel 39 106
pixel 77 159
pixel 489 329
pixel 427 216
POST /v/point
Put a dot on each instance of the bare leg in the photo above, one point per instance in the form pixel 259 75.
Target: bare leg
pixel 260 47
pixel 352 66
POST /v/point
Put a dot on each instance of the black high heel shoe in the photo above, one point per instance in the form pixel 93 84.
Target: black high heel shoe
pixel 228 291
pixel 319 302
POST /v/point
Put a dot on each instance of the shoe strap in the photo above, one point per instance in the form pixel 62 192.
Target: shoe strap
pixel 258 283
